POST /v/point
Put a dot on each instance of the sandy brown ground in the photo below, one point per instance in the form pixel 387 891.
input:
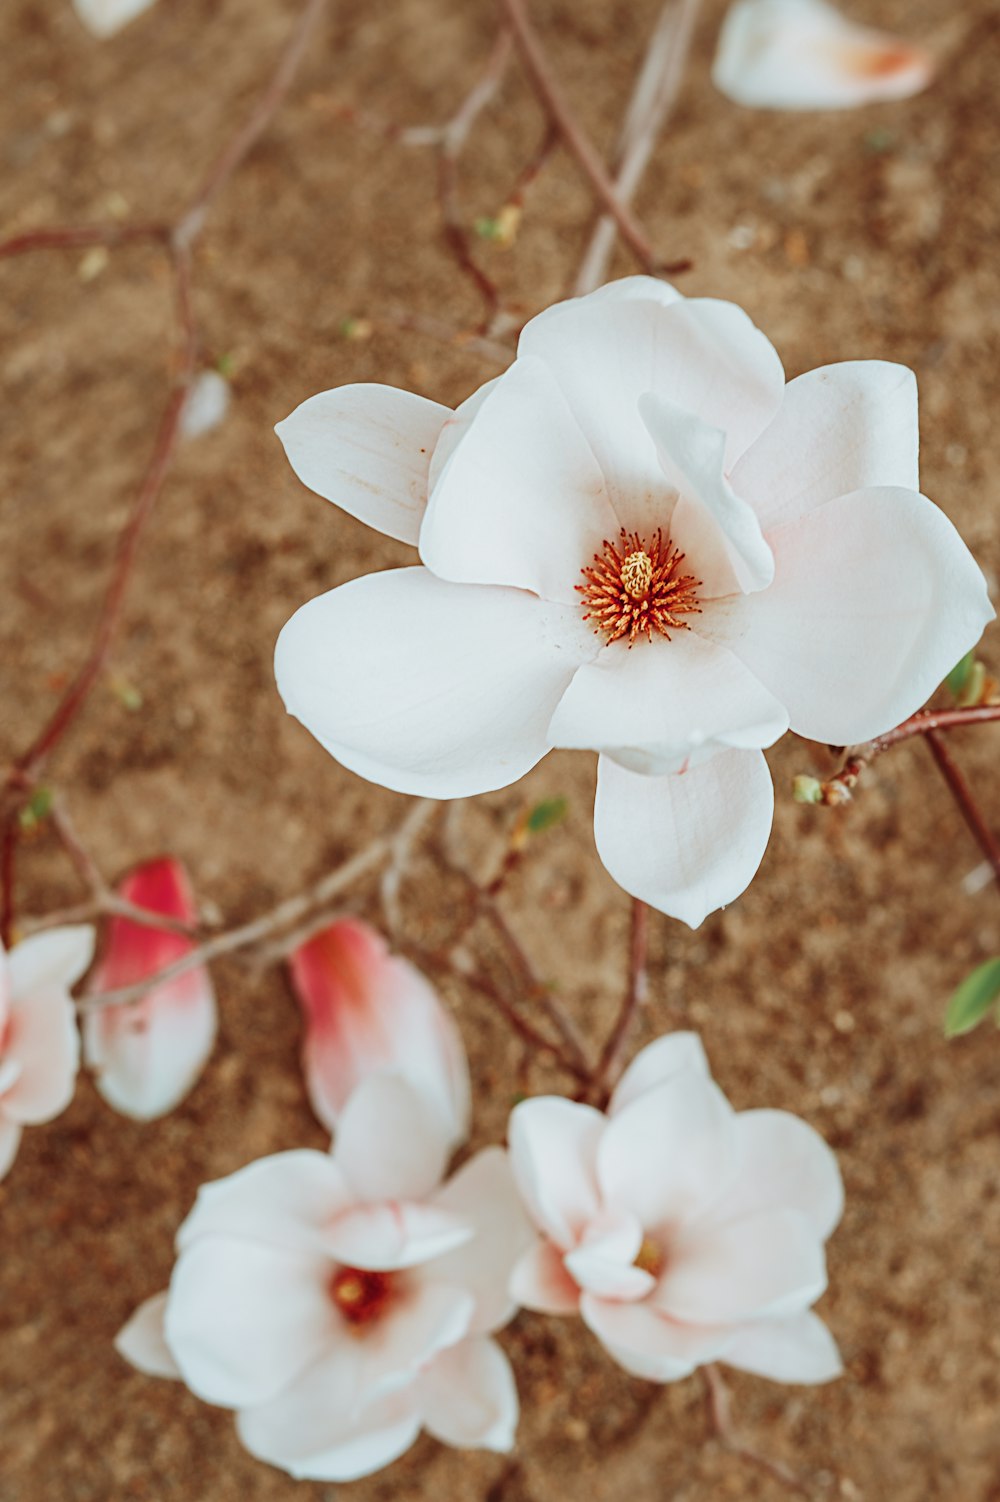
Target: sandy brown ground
pixel 822 990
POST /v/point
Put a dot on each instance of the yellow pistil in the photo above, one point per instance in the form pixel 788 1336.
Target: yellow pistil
pixel 634 588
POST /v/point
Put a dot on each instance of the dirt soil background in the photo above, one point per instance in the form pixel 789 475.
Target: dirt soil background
pixel 867 234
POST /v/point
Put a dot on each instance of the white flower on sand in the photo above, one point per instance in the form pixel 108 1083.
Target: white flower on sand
pixel 39 1042
pixel 753 555
pixel 681 1231
pixel 804 55
pixel 341 1303
pixel 105 17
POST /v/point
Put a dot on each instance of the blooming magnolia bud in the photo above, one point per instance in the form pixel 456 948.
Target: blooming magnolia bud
pixel 148 1055
pixel 368 1011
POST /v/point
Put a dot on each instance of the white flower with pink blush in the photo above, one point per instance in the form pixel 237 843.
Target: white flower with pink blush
pixel 681 1230
pixel 640 541
pixel 369 1011
pixel 341 1303
pixel 804 55
pixel 146 1056
pixel 39 1042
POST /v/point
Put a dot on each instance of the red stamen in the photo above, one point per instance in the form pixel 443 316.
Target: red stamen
pixel 635 588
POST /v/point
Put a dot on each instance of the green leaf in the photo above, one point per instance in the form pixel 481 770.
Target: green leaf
pixel 38 807
pixel 544 815
pixel 959 675
pixel 973 999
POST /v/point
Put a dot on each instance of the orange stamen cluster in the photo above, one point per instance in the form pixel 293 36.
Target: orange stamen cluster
pixel 359 1294
pixel 650 1258
pixel 634 587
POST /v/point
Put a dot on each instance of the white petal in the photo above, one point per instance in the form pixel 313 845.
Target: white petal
pixel 606 350
pixel 670 1153
pixel 484 1194
pixel 430 1318
pixel 663 705
pixel 244 1319
pixel 521 501
pixel 10 1141
pixel 783 1164
pixel 143 1343
pixel 56 958
pixel 644 1342
pixel 603 1262
pixel 104 17
pixel 840 428
pixel 874 596
pixel 456 426
pixel 468 1397
pixel 718 532
pixel 390 1143
pixel 768 1264
pixel 43 1046
pixel 674 1053
pixel 799 1349
pixel 318 1429
pixel 206 404
pixel 553 1152
pixel 804 55
pixel 540 1281
pixel 394 1235
pixel 690 842
pixel 368 449
pixel 284 1201
pixel 428 687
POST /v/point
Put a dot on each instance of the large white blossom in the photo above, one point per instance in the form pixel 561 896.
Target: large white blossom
pixel 683 1232
pixel 39 1042
pixel 340 1303
pixel 753 555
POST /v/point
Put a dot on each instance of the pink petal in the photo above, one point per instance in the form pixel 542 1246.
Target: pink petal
pixel 540 1281
pixel 783 1165
pixel 318 1428
pixel 429 687
pixel 389 1236
pixel 664 706
pixel 10 1141
pixel 602 1262
pixel 484 1194
pixel 365 1010
pixel 148 1056
pixel 768 1264
pixel 41 1051
pixel 142 1340
pixel 799 1349
pixel 840 428
pixel 674 1053
pixel 804 55
pixel 468 1397
pixel 647 1344
pixel 670 1153
pixel 689 842
pixel 286 1201
pixel 243 1319
pixel 390 1144
pixel 553 1152
pixel 431 1317
pixel 368 449
pixel 522 500
pixel 875 595
pixel 718 532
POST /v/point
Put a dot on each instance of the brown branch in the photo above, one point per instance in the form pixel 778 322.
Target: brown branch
pixel 554 103
pixel 720 1414
pixel 927 720
pixel 609 1064
pixel 79 236
pixel 963 795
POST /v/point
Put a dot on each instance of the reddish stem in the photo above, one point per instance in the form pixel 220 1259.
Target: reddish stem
pixel 964 797
pixel 609 1064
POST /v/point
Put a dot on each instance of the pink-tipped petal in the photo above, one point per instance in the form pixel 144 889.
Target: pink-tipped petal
pixel 390 1143
pixel 804 55
pixel 429 1318
pixel 368 449
pixel 799 1349
pixel 142 1340
pixel 553 1152
pixel 368 1010
pixel 41 1054
pixel 484 1195
pixel 148 1056
pixel 540 1281
pixel 674 1053
pixel 468 1397
pixel 689 842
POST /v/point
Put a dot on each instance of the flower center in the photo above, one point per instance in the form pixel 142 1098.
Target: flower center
pixel 649 1257
pixel 359 1294
pixel 634 586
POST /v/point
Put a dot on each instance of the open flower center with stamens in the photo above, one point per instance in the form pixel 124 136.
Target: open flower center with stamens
pixel 359 1294
pixel 649 1258
pixel 636 587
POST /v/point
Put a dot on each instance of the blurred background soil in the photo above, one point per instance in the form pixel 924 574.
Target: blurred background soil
pixel 867 234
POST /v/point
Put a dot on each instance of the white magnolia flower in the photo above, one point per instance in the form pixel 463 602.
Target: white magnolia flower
pixel 681 1231
pixel 39 1042
pixel 804 55
pixel 341 1303
pixel 640 541
pixel 105 17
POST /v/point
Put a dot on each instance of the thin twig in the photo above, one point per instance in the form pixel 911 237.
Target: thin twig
pixel 720 1413
pixel 656 88
pixel 927 720
pixel 963 795
pixel 401 854
pixel 446 333
pixel 109 906
pixel 609 1064
pixel 79 236
pixel 488 988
